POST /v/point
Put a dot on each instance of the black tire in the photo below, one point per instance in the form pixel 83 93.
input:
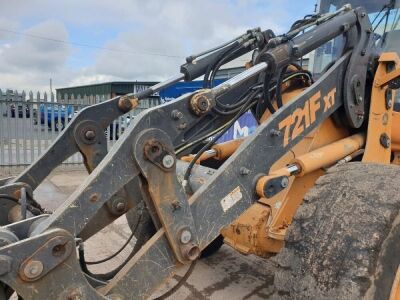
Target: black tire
pixel 344 241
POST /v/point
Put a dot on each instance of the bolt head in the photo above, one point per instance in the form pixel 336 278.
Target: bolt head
pixel 75 295
pixel 90 135
pixel 202 103
pixel 274 132
pixel 94 197
pixel 168 161
pixel 244 171
pixel 186 236
pixel 33 269
pixel 385 141
pixel 284 182
pixel 176 114
pixel 125 104
pixel 120 207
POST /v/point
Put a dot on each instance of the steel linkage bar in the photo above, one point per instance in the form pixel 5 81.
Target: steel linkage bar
pixel 217 203
pixel 228 193
pixel 76 134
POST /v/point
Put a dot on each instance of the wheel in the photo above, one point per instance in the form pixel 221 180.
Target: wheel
pixel 345 237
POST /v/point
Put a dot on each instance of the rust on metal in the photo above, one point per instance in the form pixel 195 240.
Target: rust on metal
pixel 94 197
pixel 127 103
pixel 201 102
pixel 45 258
pixel 377 148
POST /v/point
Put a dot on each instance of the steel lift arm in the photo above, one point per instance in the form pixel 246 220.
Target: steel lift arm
pixel 40 252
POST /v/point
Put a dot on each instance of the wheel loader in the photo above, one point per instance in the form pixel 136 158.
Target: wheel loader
pixel 316 187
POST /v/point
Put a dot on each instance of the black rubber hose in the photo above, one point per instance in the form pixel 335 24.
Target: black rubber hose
pixel 106 276
pixel 267 99
pixel 238 104
pixel 8 197
pixel 179 284
pixel 281 74
pixel 206 82
pixel 35 211
pixel 249 98
pixel 222 61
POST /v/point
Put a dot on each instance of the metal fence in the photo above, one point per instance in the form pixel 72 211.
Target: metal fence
pixel 30 122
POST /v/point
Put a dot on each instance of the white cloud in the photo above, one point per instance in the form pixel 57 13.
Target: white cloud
pixel 28 62
pixel 177 27
pixel 173 27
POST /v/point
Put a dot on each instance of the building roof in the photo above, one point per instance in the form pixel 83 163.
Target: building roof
pixel 105 88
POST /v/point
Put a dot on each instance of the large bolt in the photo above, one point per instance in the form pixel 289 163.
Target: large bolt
pixel 90 135
pixel 186 236
pixel 33 269
pixel 168 161
pixel 125 104
pixel 201 103
pixel 284 182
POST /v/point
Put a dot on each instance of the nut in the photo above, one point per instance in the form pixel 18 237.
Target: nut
pixel 120 207
pixel 90 135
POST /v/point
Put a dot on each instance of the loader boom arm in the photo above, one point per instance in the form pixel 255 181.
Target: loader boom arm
pixel 143 165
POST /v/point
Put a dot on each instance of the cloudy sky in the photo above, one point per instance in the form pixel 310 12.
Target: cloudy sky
pixel 77 42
